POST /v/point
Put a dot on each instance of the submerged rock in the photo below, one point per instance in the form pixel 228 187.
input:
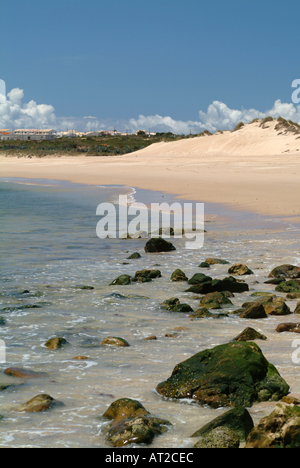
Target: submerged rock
pixel 249 334
pixel 233 374
pixel 158 245
pixel 24 373
pixel 134 256
pixel 56 343
pixel 114 341
pixel 240 269
pixel 281 429
pixel 216 261
pixel 39 403
pixel 238 420
pixel 132 423
pixel 219 438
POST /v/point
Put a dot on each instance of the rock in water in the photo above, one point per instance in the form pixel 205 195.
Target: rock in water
pixel 286 271
pixel 56 343
pixel 24 373
pixel 122 280
pixel 281 429
pixel 233 374
pixel 132 423
pixel 178 275
pixel 240 269
pixel 249 334
pixel 219 438
pixel 158 245
pixel 39 403
pixel 238 420
pixel 115 341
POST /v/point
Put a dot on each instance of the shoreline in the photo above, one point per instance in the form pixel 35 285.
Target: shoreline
pixel 255 169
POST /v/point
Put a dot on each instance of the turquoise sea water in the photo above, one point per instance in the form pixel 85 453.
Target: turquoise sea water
pixel 49 248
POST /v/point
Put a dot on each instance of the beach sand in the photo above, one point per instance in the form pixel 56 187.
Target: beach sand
pixel 256 168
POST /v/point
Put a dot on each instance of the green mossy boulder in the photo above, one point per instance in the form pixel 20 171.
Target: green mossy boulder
pixel 215 300
pixel 291 286
pixel 216 261
pixel 238 420
pixel 134 256
pixel 233 374
pixel 227 284
pixel 249 334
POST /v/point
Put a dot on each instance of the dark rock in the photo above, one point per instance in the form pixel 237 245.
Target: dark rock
pixel 22 307
pixel 182 308
pixel 170 303
pixel 240 269
pixel 39 403
pixel 178 275
pixel 85 288
pixel 199 278
pixel 227 284
pixel 122 280
pixel 215 300
pixel 281 429
pixel 2 321
pixel 277 307
pixel 238 420
pixel 219 438
pixel 114 341
pixel 134 256
pixel 293 295
pixel 24 373
pixel 56 343
pixel 254 311
pixel 249 334
pixel 275 280
pixel 204 313
pixel 287 271
pixel 146 274
pixel 158 245
pixel 233 374
pixel 132 423
pixel 204 265
pixel 291 286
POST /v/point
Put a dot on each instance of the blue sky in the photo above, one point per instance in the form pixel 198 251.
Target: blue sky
pixel 116 60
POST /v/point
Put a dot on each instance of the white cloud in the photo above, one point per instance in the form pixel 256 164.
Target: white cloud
pixel 14 113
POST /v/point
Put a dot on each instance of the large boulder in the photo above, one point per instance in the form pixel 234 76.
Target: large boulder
pixel 132 424
pixel 285 271
pixel 238 420
pixel 291 286
pixel 281 429
pixel 233 374
pixel 254 311
pixel 158 245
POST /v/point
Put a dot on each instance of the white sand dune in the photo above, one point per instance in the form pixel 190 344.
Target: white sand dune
pixel 255 168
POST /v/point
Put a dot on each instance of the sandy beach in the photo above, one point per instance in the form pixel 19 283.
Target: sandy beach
pixel 256 168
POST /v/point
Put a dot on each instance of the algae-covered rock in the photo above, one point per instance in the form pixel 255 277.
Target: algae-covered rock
pixel 254 311
pixel 114 341
pixel 240 269
pixel 39 404
pixel 122 280
pixel 144 276
pixel 219 438
pixel 238 420
pixel 199 278
pixel 281 429
pixel 216 261
pixel 249 334
pixel 287 271
pixel 174 305
pixel 227 284
pixel 215 300
pixel 233 374
pixel 158 245
pixel 56 343
pixel 132 423
pixel 291 286
pixel 134 256
pixel 178 275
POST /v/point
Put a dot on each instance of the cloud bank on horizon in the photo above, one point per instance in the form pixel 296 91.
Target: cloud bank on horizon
pixel 14 113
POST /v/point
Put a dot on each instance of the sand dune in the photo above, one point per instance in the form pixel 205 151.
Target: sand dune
pixel 256 168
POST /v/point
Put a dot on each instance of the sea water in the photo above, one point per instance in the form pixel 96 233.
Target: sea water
pixel 50 249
